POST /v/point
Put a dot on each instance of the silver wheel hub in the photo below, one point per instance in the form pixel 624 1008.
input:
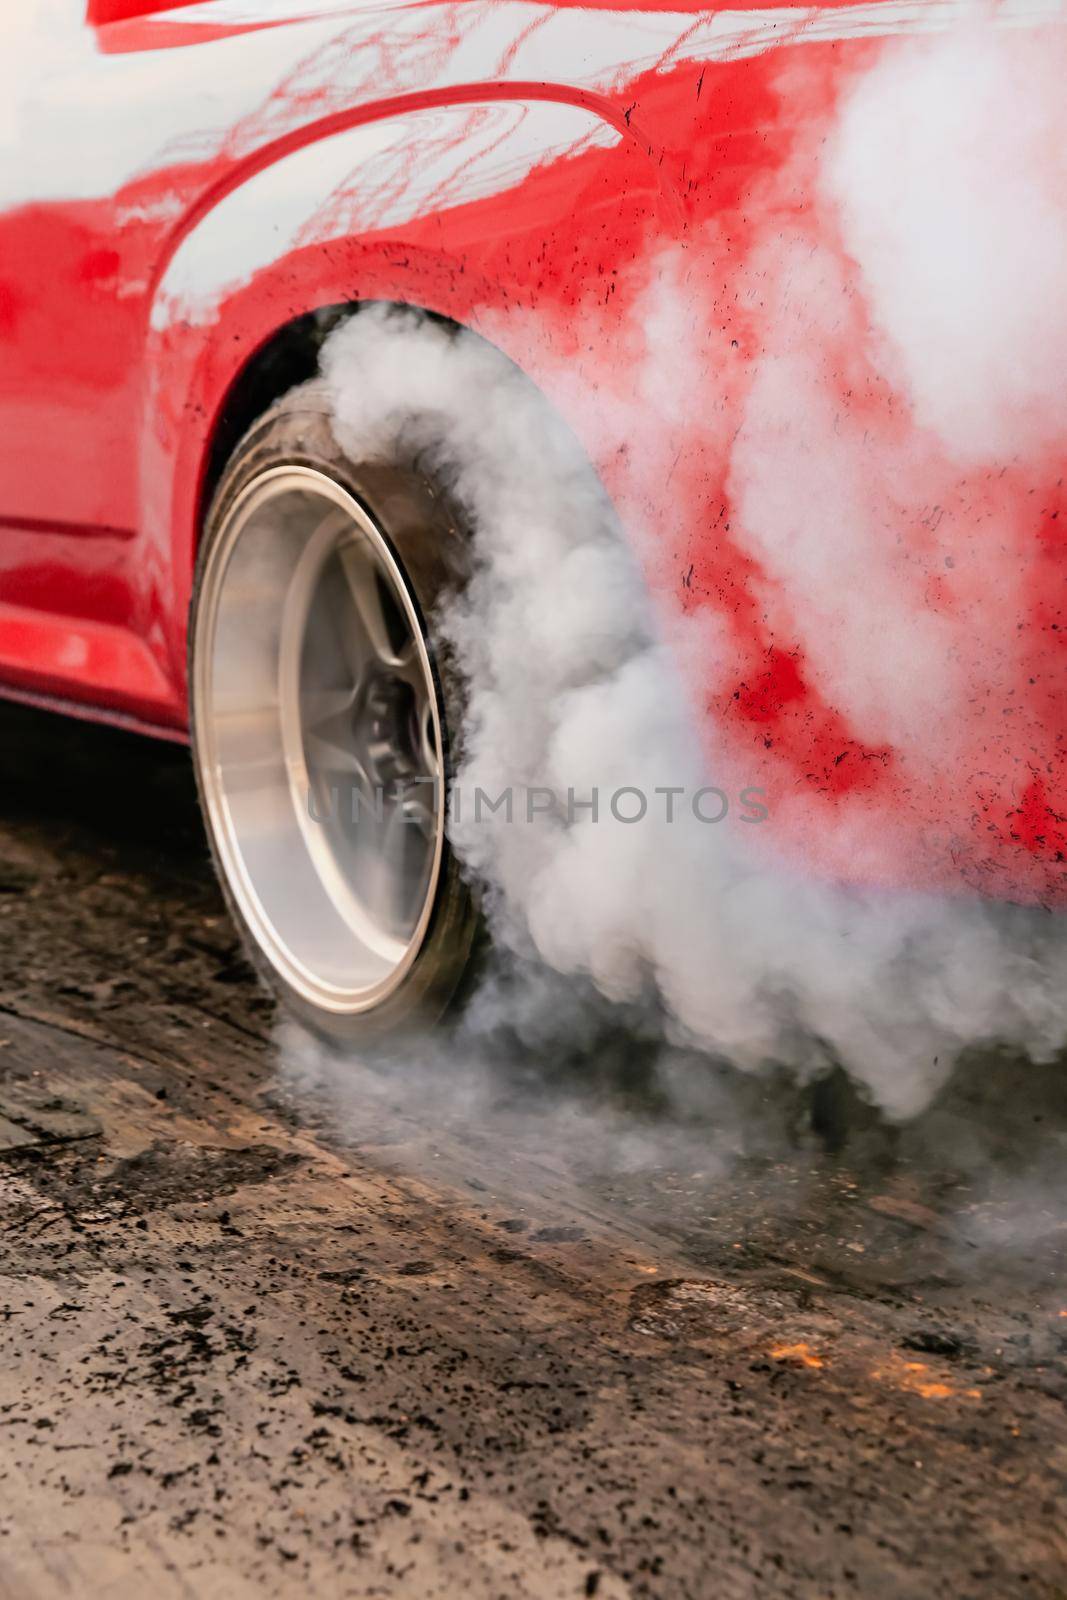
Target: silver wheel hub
pixel 318 738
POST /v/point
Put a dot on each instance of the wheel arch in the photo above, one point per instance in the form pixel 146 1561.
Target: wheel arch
pixel 540 200
pixel 287 358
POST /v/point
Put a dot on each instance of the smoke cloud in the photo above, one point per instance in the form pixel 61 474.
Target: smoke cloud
pixel 879 438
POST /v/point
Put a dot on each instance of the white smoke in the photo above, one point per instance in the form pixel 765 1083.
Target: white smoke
pixel 949 172
pixel 578 680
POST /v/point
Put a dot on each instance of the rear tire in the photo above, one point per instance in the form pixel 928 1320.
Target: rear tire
pixel 325 714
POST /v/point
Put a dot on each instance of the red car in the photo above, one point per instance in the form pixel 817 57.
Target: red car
pixel 693 233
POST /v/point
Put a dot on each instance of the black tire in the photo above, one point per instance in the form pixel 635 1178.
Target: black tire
pixel 427 538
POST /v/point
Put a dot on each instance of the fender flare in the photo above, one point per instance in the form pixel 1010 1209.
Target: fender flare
pixel 464 207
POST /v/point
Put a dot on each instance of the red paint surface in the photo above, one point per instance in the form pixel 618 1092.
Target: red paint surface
pixel 101 11
pixel 106 426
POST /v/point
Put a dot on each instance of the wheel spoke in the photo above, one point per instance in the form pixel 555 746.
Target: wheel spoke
pixel 329 746
pixel 431 755
pixel 381 624
pixel 323 707
pixel 328 758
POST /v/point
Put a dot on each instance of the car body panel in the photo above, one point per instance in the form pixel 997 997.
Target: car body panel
pixel 205 174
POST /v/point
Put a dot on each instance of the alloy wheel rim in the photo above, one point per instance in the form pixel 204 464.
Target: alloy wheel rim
pixel 318 732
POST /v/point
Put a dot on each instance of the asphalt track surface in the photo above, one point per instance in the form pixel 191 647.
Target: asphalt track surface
pixel 271 1325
